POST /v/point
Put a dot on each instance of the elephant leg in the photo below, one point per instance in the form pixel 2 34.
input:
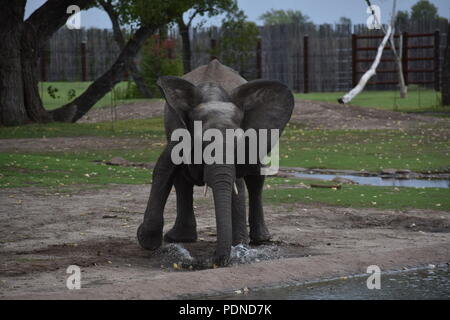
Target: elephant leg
pixel 185 228
pixel 149 233
pixel 258 230
pixel 239 215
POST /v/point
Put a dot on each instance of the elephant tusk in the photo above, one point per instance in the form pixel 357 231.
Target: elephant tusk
pixel 236 189
pixel 205 191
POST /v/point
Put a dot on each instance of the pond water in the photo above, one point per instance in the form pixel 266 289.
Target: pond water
pixel 378 181
pixel 424 284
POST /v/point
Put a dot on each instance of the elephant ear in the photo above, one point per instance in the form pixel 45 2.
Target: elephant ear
pixel 181 96
pixel 266 105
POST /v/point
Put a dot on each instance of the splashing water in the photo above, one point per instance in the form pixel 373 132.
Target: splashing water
pixel 176 252
pixel 244 254
pixel 240 254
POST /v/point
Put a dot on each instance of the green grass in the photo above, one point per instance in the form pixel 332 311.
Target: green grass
pixel 420 150
pixel 24 170
pixel 141 128
pixel 357 196
pixel 61 97
pixel 418 100
pixel 426 149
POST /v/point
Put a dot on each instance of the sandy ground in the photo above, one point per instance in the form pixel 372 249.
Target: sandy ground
pixel 42 232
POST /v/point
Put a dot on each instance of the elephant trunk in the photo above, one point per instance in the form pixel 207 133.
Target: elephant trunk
pixel 221 179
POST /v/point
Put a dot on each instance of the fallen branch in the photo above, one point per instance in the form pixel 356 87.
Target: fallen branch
pixel 321 186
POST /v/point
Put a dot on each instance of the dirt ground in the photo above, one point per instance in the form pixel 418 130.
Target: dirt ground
pixel 42 232
pixel 310 114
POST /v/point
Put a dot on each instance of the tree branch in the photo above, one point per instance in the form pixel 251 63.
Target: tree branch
pixel 76 109
pixel 113 16
pixel 51 16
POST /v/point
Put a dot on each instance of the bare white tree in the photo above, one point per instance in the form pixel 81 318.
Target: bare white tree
pixel 389 36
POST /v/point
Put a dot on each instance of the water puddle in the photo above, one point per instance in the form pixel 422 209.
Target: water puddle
pixel 423 284
pixel 180 257
pixel 378 181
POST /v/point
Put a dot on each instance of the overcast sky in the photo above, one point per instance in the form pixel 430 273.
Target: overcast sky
pixel 320 11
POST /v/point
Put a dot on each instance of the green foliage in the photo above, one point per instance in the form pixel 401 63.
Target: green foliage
pixel 424 10
pixel 156 63
pixel 71 94
pixel 211 8
pixel 52 92
pixel 155 13
pixel 238 41
pixel 274 17
pixel 402 20
pixel 345 21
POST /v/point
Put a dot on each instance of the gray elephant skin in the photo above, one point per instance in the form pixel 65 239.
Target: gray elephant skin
pixel 220 98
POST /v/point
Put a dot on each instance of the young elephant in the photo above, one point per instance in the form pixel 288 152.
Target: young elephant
pixel 218 97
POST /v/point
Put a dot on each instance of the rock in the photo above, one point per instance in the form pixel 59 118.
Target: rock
pixel 403 171
pixel 343 181
pixel 389 171
pixel 118 161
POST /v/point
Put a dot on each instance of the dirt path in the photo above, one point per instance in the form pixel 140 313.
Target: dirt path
pixel 71 144
pixel 42 233
pixel 310 114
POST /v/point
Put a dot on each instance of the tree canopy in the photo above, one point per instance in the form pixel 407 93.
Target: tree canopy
pixel 274 17
pixel 424 10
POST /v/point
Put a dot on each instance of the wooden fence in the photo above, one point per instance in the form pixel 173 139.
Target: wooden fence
pixel 78 55
pixel 307 58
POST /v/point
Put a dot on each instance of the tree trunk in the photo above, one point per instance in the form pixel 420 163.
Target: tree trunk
pixel 20 45
pixel 120 40
pixel 184 31
pixel 12 104
pixel 29 59
pixel 76 109
pixel 446 73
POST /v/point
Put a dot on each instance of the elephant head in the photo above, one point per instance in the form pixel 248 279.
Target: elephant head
pixel 259 104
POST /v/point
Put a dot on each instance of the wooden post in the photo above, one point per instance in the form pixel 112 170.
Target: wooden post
pixel 405 65
pixel 306 64
pixel 83 61
pixel 258 60
pixel 213 48
pixel 354 57
pixel 437 61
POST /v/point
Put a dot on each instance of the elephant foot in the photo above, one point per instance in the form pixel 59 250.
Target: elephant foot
pixel 221 260
pixel 260 236
pixel 148 239
pixel 240 239
pixel 181 235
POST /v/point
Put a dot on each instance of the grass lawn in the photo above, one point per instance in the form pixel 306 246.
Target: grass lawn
pixel 65 89
pixel 424 149
pixel 59 171
pixel 141 128
pixel 418 100
pixel 357 196
pixel 427 149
